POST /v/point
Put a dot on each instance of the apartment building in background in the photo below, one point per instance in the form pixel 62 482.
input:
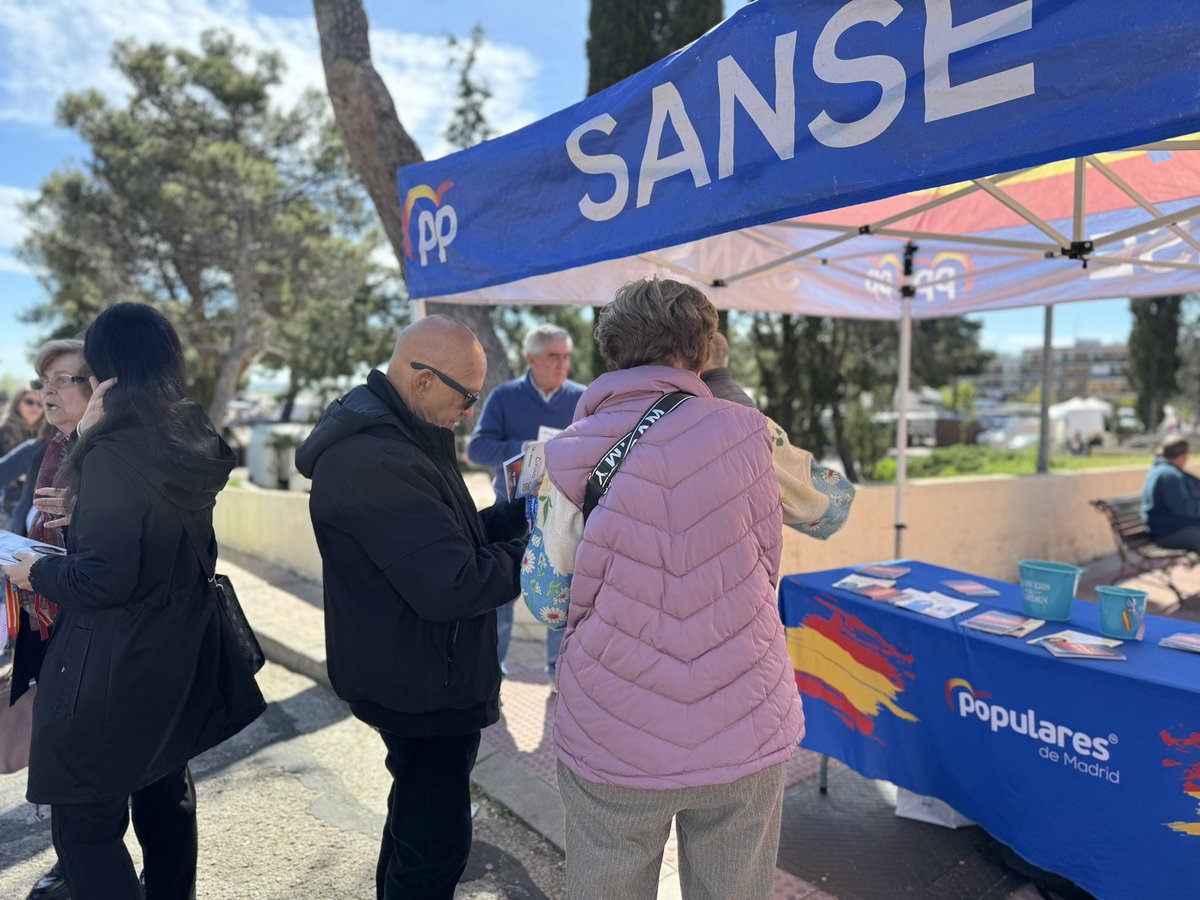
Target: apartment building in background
pixel 1088 368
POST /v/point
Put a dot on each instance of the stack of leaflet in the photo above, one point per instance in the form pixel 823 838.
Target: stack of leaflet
pixel 970 588
pixel 1003 623
pixel 1183 640
pixel 1079 645
pixel 878 582
pixel 933 604
pixel 875 588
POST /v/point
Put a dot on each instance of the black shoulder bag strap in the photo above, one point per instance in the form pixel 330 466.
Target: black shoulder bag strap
pixel 243 636
pixel 600 479
pixel 208 566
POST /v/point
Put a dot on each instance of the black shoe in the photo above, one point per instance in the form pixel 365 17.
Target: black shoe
pixel 51 886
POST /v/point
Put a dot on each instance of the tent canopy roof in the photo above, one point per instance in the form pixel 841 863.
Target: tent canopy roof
pixel 731 164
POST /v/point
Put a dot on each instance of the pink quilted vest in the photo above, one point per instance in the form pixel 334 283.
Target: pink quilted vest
pixel 674 670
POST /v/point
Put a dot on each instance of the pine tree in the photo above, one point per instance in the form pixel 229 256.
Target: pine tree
pixel 626 36
pixel 1154 355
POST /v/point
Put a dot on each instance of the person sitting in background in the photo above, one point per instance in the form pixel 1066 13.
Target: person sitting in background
pixel 1171 499
pixel 718 378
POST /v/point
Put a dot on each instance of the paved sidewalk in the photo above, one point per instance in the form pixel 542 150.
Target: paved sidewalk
pixel 846 844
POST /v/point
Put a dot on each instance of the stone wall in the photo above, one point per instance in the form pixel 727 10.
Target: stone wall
pixel 981 525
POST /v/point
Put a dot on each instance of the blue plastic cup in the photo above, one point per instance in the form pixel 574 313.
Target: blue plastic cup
pixel 1048 588
pixel 1122 612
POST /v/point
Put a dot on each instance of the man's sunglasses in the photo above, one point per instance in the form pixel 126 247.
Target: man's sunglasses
pixel 59 381
pixel 469 397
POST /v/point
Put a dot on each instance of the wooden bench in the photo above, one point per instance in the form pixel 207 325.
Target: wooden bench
pixel 1139 553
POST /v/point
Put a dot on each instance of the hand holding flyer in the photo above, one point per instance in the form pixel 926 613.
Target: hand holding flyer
pixel 12 544
pixel 523 473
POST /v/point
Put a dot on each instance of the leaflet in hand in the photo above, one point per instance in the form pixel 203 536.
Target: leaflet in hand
pixel 545 432
pixel 931 603
pixel 993 621
pixel 523 473
pixel 1080 650
pixel 970 588
pixel 1182 640
pixel 11 544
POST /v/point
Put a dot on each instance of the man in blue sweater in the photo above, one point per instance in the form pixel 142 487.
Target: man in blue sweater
pixel 1171 499
pixel 510 420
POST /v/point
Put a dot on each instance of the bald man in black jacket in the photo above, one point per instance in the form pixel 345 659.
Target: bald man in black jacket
pixel 413 575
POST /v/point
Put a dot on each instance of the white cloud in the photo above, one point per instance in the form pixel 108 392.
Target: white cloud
pixel 12 224
pixel 12 266
pixel 65 45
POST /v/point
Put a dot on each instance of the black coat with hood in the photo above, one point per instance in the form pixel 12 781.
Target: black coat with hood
pixel 137 678
pixel 413 572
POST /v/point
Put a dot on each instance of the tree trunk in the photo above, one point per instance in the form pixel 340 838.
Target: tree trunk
pixel 246 343
pixel 233 366
pixel 379 145
pixel 289 398
pixel 842 443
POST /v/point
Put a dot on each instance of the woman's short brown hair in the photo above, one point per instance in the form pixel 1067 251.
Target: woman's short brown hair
pixel 656 321
pixel 52 350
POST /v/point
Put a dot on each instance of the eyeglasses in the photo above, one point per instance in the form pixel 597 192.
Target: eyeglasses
pixel 58 382
pixel 470 397
pixel 31 401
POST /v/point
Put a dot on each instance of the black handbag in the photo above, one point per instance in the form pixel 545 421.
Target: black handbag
pixel 236 624
pixel 239 626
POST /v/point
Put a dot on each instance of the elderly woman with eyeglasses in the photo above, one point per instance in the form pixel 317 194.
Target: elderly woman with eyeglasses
pixel 65 388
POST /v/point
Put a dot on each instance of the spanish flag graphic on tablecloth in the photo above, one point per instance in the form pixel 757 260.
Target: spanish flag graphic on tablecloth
pixel 840 660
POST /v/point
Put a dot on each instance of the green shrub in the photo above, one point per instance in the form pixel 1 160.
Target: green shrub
pixel 973 459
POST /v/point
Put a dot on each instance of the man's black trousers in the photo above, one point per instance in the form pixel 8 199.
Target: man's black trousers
pixel 89 838
pixel 427 836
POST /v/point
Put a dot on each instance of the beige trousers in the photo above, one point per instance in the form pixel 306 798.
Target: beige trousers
pixel 728 837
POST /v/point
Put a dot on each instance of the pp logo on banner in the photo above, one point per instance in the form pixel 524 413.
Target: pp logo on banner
pixel 436 228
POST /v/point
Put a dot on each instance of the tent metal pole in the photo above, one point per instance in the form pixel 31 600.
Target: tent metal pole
pixel 1172 218
pixel 869 227
pixel 906 293
pixel 419 310
pixel 1043 460
pixel 1137 198
pixel 1078 229
pixel 1021 210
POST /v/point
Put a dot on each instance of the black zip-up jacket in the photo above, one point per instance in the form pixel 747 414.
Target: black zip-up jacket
pixel 413 572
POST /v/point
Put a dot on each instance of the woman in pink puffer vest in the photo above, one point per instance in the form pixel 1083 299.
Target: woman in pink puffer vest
pixel 676 694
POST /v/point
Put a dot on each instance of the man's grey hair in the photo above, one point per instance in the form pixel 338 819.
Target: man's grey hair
pixel 543 335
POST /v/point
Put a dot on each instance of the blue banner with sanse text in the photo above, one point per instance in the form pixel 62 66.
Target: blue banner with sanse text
pixel 793 107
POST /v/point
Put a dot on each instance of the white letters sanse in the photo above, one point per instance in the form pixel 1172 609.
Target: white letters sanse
pixel 777 122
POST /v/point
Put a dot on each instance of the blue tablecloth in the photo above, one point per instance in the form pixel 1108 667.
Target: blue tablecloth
pixel 1087 768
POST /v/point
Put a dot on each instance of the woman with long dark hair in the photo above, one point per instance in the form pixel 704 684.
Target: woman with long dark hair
pixel 137 678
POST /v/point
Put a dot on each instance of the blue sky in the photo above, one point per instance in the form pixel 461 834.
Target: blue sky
pixel 534 62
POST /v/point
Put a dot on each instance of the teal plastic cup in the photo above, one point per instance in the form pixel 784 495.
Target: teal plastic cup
pixel 1048 589
pixel 1122 612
